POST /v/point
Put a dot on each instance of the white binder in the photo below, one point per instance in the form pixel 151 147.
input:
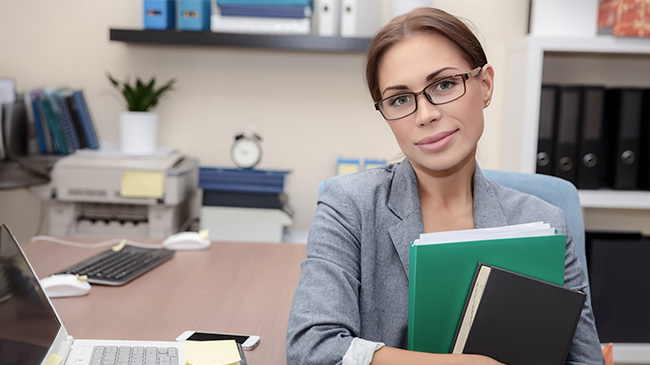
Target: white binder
pixel 360 18
pixel 328 16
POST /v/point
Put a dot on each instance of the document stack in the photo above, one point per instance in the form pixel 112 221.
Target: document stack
pixel 244 205
pixel 262 16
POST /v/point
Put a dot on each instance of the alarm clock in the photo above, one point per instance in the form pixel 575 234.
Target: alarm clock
pixel 246 151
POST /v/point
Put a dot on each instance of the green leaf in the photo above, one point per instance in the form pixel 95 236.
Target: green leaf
pixel 141 96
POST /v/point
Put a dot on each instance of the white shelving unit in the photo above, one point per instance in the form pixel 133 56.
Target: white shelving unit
pixel 602 60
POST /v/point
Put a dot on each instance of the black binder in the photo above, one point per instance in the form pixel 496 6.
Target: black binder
pixel 547 121
pixel 591 157
pixel 566 151
pixel 644 159
pixel 624 112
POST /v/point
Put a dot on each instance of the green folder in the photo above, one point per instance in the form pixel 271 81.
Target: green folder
pixel 440 276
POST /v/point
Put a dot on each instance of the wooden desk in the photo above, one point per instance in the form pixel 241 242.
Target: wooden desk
pixel 242 288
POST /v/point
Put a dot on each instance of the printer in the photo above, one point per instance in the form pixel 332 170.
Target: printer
pixel 136 196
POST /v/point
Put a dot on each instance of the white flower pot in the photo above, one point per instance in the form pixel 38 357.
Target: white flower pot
pixel 138 133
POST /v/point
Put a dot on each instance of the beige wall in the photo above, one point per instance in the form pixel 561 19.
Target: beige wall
pixel 309 107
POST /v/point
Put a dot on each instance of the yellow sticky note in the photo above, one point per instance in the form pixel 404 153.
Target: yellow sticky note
pixel 204 234
pixel 53 359
pixel 119 246
pixel 346 166
pixel 223 352
pixel 142 184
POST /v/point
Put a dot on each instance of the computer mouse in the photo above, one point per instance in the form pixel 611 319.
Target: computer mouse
pixel 187 241
pixel 65 285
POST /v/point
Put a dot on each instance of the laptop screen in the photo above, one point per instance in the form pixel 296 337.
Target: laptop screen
pixel 28 323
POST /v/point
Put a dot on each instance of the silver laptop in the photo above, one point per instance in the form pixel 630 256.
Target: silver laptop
pixel 32 333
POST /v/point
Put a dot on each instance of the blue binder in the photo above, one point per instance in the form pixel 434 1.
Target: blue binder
pixel 194 14
pixel 159 14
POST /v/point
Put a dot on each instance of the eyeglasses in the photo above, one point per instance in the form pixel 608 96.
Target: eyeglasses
pixel 439 92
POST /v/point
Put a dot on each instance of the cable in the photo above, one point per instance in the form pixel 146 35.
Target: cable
pixel 111 242
pixel 188 222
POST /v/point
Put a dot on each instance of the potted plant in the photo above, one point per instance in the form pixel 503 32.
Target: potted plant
pixel 139 124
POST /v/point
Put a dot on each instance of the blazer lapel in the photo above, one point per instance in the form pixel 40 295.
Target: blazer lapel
pixel 487 208
pixel 404 202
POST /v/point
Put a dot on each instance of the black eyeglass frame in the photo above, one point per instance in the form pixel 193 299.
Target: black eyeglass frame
pixel 464 76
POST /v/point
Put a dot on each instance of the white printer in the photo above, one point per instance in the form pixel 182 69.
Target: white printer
pixel 126 196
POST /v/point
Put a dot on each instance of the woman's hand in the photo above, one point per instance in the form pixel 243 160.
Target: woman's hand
pixel 479 360
pixel 392 356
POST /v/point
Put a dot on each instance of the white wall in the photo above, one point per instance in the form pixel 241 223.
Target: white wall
pixel 309 107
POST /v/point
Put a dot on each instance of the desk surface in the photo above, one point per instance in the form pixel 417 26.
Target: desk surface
pixel 232 287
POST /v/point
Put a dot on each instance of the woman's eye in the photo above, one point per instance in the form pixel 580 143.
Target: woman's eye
pixel 445 85
pixel 399 100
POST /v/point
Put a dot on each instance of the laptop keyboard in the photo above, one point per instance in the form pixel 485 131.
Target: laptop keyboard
pixel 134 355
pixel 119 267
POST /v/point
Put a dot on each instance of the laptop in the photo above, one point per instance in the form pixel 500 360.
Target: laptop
pixel 32 333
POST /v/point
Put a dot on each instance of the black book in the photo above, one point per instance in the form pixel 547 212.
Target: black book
pixel 591 157
pixel 518 320
pixel 566 149
pixel 547 122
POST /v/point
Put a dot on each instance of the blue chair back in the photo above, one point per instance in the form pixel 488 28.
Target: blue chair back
pixel 553 190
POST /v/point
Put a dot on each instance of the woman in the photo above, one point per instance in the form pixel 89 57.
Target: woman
pixel 430 80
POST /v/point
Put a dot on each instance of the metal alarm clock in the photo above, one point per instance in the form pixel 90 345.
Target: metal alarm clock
pixel 246 151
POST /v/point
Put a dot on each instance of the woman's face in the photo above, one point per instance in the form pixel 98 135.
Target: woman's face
pixel 436 138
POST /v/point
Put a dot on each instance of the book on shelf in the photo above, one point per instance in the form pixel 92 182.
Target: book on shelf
pixel 266 2
pixel 516 319
pixel 83 112
pixel 52 121
pixel 547 125
pixel 64 115
pixel 568 125
pixel 442 266
pixel 259 25
pixel 270 11
pixel 61 121
pixel 591 157
pixel 624 108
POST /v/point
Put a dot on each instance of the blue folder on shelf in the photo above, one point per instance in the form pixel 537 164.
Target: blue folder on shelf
pixel 194 14
pixel 159 14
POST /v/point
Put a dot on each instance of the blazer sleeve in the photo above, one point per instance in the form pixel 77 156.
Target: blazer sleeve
pixel 585 348
pixel 324 314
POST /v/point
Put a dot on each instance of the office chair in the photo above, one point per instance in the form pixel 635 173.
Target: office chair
pixel 551 189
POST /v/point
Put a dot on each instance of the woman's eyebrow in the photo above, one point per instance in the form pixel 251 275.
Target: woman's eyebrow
pixel 431 77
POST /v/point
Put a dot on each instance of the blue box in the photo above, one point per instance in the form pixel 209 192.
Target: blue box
pixel 194 14
pixel 159 14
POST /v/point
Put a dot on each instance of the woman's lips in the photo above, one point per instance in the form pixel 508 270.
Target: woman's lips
pixel 437 142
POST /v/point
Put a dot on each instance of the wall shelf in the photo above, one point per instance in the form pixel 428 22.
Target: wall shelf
pixel 206 38
pixel 615 199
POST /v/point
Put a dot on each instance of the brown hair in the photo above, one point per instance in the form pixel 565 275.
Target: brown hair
pixel 418 21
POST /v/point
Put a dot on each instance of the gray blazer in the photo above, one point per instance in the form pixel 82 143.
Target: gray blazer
pixel 354 282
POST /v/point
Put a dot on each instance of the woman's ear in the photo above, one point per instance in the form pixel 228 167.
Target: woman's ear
pixel 487 82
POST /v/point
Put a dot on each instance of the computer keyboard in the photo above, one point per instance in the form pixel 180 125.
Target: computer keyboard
pixel 119 267
pixel 134 355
